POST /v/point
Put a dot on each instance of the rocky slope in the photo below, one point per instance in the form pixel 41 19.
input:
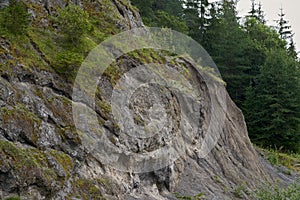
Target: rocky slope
pixel 43 156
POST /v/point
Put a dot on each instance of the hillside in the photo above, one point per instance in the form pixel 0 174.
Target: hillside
pixel 46 154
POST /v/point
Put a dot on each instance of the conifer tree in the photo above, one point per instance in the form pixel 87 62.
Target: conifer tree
pixel 257 12
pixel 292 49
pixel 261 14
pixel 226 43
pixel 196 17
pixel 203 18
pixel 272 104
pixel 253 11
pixel 192 19
pixel 286 34
pixel 284 28
pixel 162 13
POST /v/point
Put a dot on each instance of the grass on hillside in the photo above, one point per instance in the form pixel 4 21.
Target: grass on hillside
pixel 277 158
pixel 291 163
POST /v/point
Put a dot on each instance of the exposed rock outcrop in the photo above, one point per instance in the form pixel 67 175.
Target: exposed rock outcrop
pixel 4 3
pixel 43 156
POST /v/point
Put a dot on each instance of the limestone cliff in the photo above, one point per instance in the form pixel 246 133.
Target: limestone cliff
pixel 43 156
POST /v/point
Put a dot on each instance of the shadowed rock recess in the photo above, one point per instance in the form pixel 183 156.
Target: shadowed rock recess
pixel 43 156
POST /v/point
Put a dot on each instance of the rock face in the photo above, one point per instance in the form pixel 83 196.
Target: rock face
pixel 43 156
pixel 4 3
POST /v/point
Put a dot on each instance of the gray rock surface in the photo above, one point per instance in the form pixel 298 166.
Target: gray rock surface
pixel 42 156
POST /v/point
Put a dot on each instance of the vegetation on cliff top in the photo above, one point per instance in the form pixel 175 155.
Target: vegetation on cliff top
pixel 63 44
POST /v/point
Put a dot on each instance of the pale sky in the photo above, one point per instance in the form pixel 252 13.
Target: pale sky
pixel 272 8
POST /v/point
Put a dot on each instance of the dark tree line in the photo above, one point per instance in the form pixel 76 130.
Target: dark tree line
pixel 259 63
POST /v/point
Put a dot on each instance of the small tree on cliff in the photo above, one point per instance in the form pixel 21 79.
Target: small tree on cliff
pixel 73 22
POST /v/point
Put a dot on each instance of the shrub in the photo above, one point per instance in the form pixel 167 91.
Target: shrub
pixel 74 22
pixel 239 190
pixel 67 63
pixel 14 19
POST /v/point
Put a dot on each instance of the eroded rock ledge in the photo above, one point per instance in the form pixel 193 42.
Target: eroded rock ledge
pixel 44 156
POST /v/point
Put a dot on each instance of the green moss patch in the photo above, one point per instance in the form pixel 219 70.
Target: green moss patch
pixel 64 160
pixel 88 189
pixel 29 164
pixel 23 120
pixel 148 56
